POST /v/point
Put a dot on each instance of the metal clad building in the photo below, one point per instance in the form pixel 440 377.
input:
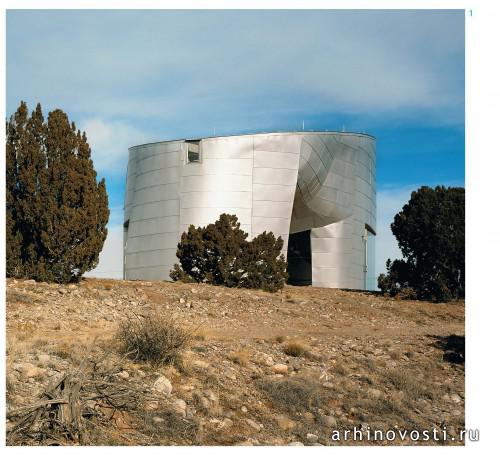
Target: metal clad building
pixel 314 189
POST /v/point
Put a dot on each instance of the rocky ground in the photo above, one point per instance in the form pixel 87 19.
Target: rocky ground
pixel 262 369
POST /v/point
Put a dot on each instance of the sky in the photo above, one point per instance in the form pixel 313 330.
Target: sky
pixel 129 77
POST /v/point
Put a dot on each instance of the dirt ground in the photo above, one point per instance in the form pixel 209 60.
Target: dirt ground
pixel 289 368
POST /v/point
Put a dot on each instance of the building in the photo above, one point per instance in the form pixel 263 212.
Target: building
pixel 314 189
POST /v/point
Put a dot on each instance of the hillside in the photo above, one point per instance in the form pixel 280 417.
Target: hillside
pixel 354 359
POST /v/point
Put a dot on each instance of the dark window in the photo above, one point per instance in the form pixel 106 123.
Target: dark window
pixel 193 156
pixel 193 152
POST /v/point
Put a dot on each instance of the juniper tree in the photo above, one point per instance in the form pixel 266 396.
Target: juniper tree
pixel 58 210
pixel 15 132
pixel 430 230
pixel 262 264
pixel 220 254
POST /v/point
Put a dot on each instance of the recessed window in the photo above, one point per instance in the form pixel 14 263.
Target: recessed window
pixel 193 157
pixel 193 152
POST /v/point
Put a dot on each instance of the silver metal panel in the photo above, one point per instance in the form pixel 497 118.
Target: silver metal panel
pixel 273 192
pixel 214 182
pixel 265 209
pixel 147 243
pixel 319 182
pixel 200 216
pixel 156 209
pixel 217 199
pixel 220 167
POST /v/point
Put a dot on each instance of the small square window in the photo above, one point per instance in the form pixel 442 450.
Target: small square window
pixel 193 153
pixel 193 157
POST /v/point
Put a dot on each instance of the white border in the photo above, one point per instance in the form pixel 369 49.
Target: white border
pixel 483 224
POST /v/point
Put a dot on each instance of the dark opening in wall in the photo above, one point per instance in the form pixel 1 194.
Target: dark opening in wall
pixel 193 151
pixel 299 258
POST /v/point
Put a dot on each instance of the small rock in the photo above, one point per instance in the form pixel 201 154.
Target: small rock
pixel 207 400
pixel 123 375
pixel 151 405
pixel 187 387
pixel 253 425
pixel 211 396
pixel 44 359
pixel 295 363
pixel 158 419
pixel 199 364
pixel 313 438
pixel 244 409
pixel 295 444
pixel 27 370
pixel 284 422
pixel 248 442
pixel 455 398
pixel 230 374
pixel 280 368
pixel 227 422
pixel 264 360
pixel 375 393
pixel 162 385
pixel 329 421
pixel 179 406
pixel 203 402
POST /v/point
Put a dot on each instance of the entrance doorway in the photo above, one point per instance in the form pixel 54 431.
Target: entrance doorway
pixel 299 258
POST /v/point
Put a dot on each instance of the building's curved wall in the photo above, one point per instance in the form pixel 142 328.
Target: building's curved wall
pixel 280 182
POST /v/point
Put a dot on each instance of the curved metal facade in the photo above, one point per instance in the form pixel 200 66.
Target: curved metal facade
pixel 316 189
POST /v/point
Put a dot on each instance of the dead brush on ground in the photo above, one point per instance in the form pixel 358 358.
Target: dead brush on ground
pixel 295 394
pixel 83 403
pixel 154 338
pixel 166 426
pixel 241 357
pixel 295 348
pixel 405 381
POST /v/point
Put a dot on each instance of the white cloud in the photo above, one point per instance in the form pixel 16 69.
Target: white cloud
pixel 111 258
pixel 150 65
pixel 110 141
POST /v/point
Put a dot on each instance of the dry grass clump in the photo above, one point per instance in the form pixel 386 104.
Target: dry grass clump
pixel 386 406
pixel 241 357
pixel 295 348
pixel 405 381
pixel 166 426
pixel 201 334
pixel 294 394
pixel 154 338
pixel 210 380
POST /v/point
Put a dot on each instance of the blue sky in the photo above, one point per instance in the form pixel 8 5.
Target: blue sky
pixel 127 77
